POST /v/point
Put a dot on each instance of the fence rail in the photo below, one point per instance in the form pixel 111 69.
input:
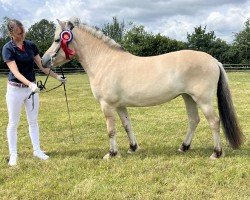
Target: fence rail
pixel 236 67
pixel 228 67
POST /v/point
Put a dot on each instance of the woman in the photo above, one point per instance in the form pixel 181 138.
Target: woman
pixel 21 55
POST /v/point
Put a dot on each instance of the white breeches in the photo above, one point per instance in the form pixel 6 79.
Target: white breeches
pixel 15 98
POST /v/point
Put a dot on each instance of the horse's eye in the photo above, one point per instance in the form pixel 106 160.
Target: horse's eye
pixel 57 40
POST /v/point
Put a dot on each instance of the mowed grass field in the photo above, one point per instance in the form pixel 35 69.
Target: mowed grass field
pixel 76 170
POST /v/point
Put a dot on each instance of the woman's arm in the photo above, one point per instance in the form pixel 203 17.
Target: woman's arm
pixel 38 62
pixel 13 68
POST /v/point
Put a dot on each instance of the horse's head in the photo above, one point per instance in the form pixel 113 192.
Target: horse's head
pixel 63 47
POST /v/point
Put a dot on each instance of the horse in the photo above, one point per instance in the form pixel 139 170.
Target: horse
pixel 119 79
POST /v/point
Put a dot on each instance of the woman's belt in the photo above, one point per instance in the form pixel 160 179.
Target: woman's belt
pixel 20 85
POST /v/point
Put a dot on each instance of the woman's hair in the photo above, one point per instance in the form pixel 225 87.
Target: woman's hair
pixel 13 24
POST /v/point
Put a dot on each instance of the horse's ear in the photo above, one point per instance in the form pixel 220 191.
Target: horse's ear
pixel 69 25
pixel 61 23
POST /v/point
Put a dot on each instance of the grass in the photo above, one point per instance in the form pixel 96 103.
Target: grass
pixel 157 171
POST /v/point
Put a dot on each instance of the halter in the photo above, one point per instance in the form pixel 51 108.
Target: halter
pixel 66 37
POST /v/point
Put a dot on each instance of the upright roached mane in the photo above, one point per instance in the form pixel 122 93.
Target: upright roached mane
pixel 119 79
pixel 99 34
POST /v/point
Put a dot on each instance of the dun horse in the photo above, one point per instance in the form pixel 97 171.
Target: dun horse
pixel 119 80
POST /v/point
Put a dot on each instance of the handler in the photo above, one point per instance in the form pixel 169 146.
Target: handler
pixel 21 55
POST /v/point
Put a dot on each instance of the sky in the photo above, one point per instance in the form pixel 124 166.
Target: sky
pixel 172 18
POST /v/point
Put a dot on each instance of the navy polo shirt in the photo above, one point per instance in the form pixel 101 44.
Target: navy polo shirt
pixel 23 58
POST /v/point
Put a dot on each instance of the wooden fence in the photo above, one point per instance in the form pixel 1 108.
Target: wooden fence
pixel 228 67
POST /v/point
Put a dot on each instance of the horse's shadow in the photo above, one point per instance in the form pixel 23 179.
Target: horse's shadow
pixel 149 151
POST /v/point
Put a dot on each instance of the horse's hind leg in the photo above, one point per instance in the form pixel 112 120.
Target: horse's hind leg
pixel 193 121
pixel 123 114
pixel 214 122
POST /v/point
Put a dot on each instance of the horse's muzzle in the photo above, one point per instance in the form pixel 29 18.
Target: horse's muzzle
pixel 47 61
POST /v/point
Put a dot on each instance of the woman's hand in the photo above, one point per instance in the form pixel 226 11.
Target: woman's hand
pixel 34 87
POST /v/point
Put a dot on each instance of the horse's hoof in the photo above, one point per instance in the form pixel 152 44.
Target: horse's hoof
pixel 111 154
pixel 217 154
pixel 106 157
pixel 183 148
pixel 133 148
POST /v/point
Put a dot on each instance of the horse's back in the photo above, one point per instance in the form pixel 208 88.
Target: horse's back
pixel 178 69
pixel 143 81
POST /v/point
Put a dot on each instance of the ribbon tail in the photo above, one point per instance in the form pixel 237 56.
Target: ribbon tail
pixel 68 52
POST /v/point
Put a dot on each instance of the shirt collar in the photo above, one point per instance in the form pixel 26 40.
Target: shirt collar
pixel 14 44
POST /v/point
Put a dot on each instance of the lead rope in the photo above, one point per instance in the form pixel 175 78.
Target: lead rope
pixel 67 103
pixel 41 86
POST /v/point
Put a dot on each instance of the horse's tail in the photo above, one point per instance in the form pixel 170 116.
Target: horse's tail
pixel 227 112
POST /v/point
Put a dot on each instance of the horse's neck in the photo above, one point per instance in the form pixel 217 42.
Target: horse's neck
pixel 94 53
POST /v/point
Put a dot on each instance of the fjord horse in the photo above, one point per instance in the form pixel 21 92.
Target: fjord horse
pixel 119 80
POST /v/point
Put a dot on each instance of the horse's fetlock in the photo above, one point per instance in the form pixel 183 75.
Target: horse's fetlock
pixel 133 147
pixel 184 147
pixel 218 153
pixel 112 153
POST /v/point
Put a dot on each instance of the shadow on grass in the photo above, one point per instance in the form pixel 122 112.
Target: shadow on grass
pixel 91 153
pixel 149 151
pixel 198 151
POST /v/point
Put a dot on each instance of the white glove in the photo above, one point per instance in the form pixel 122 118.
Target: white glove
pixel 34 87
pixel 60 78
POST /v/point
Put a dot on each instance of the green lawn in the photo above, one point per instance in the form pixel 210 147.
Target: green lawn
pixel 156 171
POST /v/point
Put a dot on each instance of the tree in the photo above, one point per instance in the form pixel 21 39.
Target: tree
pixel 3 28
pixel 163 44
pixel 200 40
pixel 3 38
pixel 220 50
pixel 114 30
pixel 242 43
pixel 139 42
pixel 42 33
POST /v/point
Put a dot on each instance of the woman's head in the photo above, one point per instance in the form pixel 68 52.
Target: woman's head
pixel 16 30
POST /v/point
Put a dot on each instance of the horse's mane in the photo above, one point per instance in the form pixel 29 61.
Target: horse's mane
pixel 97 33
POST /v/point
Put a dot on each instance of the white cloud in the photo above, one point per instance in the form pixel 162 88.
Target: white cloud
pixel 175 27
pixel 172 18
pixel 7 2
pixel 227 23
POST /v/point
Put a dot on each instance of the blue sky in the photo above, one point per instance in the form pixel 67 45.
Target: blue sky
pixel 173 18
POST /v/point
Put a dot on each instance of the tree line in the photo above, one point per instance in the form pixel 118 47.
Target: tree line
pixel 136 40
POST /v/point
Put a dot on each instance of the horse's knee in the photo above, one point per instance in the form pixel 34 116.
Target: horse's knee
pixel 111 133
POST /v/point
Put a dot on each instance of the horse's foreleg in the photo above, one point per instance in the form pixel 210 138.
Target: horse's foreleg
pixel 123 114
pixel 110 122
pixel 193 121
pixel 214 123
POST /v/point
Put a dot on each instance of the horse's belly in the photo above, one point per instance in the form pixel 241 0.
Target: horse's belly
pixel 147 99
